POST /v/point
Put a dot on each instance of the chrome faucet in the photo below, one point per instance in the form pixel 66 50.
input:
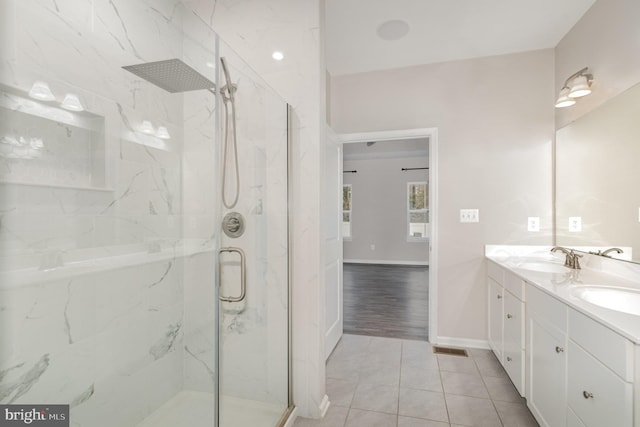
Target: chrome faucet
pixel 616 250
pixel 572 259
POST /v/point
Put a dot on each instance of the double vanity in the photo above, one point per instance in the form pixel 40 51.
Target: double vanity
pixel 568 337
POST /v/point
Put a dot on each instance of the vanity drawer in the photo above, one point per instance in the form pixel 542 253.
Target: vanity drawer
pixel 597 395
pixel 573 420
pixel 495 272
pixel 547 307
pixel 613 350
pixel 514 284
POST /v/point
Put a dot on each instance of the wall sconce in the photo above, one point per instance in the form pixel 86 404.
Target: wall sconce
pixel 40 90
pixel 576 86
pixel 163 133
pixel 147 127
pixel 72 103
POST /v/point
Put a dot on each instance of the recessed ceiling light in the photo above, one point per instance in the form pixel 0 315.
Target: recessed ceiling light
pixel 277 55
pixel 393 30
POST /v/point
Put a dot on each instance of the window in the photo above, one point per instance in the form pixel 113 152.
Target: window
pixel 417 210
pixel 346 211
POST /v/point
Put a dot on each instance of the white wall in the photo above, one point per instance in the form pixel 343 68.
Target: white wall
pixel 607 40
pixel 495 121
pixel 379 210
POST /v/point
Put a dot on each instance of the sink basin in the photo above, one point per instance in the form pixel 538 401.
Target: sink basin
pixel 544 267
pixel 626 300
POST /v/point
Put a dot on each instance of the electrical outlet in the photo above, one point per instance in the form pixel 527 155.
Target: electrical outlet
pixel 575 224
pixel 533 223
pixel 469 215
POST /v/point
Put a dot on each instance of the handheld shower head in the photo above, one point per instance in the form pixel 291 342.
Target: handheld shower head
pixel 229 89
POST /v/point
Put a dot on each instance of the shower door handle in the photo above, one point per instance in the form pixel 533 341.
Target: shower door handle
pixel 243 275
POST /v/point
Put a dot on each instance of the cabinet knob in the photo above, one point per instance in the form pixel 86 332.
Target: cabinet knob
pixel 587 395
pixel 559 349
pixel 499 296
pixel 510 359
pixel 509 316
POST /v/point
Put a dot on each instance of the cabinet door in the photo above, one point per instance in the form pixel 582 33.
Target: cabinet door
pixel 514 340
pixel 596 394
pixel 495 318
pixel 573 420
pixel 547 374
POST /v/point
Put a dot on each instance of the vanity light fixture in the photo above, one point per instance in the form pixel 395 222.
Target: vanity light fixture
pixel 72 103
pixel 163 133
pixel 40 90
pixel 147 127
pixel 576 86
pixel 563 99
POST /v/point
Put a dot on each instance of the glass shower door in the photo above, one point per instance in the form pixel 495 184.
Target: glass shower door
pixel 253 260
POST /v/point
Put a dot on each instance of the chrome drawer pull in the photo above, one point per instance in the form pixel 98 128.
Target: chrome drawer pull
pixel 509 316
pixel 499 296
pixel 509 359
pixel 559 349
pixel 587 395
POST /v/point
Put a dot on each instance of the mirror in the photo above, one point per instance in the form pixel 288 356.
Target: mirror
pixel 598 178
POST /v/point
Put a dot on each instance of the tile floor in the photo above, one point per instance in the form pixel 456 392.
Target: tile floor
pixel 387 382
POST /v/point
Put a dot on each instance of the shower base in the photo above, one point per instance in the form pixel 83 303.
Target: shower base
pixel 196 409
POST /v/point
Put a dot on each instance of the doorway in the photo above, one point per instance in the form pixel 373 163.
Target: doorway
pixel 390 264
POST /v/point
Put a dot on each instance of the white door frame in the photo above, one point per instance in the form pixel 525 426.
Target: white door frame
pixel 432 134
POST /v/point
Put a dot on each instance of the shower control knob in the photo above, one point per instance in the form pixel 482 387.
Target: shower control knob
pixel 233 224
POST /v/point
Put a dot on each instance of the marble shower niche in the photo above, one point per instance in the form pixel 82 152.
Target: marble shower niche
pixel 43 144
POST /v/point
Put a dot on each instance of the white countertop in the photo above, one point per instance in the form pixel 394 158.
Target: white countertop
pixel 560 286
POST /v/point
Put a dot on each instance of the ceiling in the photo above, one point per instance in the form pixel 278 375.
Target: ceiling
pixel 441 30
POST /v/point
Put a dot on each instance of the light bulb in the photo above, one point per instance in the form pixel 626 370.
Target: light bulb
pixel 163 133
pixel 147 127
pixel 580 87
pixel 563 99
pixel 40 90
pixel 72 102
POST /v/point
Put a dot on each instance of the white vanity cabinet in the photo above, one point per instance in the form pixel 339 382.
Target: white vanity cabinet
pixel 579 372
pixel 546 360
pixel 600 373
pixel 506 322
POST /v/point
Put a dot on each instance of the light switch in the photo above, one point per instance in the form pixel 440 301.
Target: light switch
pixel 533 223
pixel 469 215
pixel 575 224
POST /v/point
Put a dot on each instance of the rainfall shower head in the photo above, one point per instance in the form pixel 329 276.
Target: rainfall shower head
pixel 172 75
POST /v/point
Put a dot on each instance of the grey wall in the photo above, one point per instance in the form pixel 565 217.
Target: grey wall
pixel 379 210
pixel 495 121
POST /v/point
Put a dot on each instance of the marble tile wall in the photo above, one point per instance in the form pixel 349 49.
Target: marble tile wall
pixel 114 343
pixel 118 342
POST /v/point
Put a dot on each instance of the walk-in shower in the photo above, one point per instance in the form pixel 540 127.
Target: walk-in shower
pixel 114 270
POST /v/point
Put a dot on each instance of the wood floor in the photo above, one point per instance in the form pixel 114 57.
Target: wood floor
pixel 386 300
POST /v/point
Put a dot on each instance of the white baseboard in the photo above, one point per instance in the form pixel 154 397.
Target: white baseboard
pixel 324 406
pixel 382 261
pixel 462 342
